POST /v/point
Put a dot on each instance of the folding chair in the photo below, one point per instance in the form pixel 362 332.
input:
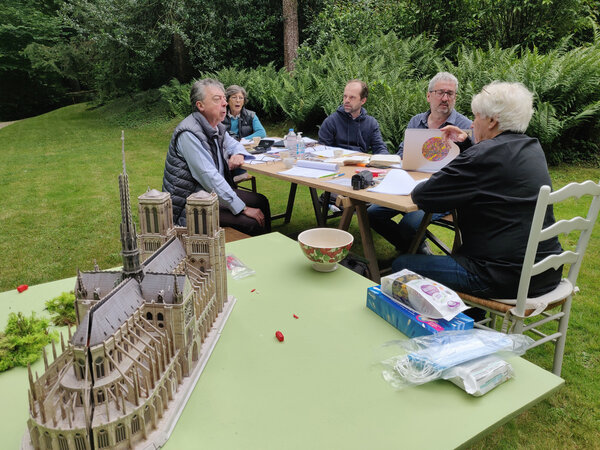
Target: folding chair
pixel 245 177
pixel 517 312
pixel 448 222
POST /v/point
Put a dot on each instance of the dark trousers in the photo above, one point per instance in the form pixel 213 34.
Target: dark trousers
pixel 244 223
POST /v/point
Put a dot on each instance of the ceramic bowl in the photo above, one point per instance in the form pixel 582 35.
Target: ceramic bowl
pixel 325 247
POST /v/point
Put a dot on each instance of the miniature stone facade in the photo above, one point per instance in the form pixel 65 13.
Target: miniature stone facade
pixel 140 331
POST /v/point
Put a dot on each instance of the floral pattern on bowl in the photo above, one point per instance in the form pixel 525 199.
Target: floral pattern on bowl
pixel 325 255
pixel 325 247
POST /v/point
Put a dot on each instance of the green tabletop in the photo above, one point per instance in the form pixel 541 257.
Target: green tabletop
pixel 320 388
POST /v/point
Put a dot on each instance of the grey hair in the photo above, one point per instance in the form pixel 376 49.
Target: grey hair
pixel 234 89
pixel 511 104
pixel 442 76
pixel 198 91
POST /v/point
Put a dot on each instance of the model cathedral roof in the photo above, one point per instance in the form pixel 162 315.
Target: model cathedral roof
pixel 140 332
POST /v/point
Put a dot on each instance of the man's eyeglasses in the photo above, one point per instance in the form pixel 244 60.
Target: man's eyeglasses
pixel 440 93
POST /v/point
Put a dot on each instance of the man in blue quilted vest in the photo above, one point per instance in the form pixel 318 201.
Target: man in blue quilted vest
pixel 202 155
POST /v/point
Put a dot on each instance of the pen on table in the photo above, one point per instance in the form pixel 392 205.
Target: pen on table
pixel 332 175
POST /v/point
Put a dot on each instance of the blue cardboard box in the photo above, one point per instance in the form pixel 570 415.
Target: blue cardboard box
pixel 409 322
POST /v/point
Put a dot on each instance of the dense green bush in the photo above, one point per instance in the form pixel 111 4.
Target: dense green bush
pixel 566 85
pixel 23 339
pixel 62 309
pixel 475 23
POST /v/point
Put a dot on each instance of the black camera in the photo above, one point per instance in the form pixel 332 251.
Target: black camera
pixel 362 180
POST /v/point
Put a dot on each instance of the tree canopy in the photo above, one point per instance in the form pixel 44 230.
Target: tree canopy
pixel 114 47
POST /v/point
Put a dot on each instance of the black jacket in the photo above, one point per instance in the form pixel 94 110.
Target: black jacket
pixel 494 186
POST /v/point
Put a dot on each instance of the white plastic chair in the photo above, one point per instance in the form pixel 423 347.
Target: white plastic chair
pixel 516 311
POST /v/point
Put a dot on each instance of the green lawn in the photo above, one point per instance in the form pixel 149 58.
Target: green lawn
pixel 60 211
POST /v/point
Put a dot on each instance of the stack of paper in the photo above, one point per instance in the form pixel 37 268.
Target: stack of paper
pixel 384 160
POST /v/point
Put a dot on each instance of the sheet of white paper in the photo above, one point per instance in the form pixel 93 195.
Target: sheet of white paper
pixel 397 182
pixel 341 181
pixel 305 172
pixel 245 141
pixel 262 158
pixel 326 151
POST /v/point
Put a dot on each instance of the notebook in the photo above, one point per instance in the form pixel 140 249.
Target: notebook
pixel 425 151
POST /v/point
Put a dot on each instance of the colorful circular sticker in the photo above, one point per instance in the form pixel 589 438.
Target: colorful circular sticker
pixel 435 149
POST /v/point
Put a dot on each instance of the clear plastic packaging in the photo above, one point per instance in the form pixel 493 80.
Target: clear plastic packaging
pixel 301 146
pixel 428 297
pixel 237 268
pixel 481 375
pixel 425 359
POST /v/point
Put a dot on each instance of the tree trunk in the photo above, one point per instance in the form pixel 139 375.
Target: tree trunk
pixel 290 33
pixel 179 58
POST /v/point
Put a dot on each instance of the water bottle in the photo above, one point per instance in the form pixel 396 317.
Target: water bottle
pixel 301 147
pixel 291 143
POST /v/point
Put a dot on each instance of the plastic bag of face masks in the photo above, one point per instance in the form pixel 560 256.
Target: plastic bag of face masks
pixel 428 297
pixel 426 358
pixel 481 375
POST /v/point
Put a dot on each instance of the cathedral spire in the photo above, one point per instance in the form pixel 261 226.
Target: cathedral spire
pixel 130 251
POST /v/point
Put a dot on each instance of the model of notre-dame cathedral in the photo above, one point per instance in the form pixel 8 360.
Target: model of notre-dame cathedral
pixel 143 333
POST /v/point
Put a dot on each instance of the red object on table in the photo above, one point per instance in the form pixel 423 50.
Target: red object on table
pixel 295 316
pixel 375 172
pixel 279 336
pixel 22 287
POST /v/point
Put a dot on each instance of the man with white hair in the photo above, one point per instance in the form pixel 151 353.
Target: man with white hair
pixel 441 96
pixel 494 185
pixel 202 155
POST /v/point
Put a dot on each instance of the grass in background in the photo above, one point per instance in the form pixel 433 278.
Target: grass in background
pixel 60 210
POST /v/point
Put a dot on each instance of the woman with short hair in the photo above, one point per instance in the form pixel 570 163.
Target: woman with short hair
pixel 494 185
pixel 241 122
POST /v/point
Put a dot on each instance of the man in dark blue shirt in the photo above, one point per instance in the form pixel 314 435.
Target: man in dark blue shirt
pixel 350 126
pixel 441 96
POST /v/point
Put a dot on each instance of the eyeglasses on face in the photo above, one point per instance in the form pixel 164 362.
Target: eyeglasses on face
pixel 440 93
pixel 237 97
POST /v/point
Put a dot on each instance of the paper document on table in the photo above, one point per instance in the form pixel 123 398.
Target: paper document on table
pixel 311 169
pixel 305 172
pixel 340 181
pixel 397 182
pixel 326 151
pixel 261 159
pixel 245 141
pixel 384 160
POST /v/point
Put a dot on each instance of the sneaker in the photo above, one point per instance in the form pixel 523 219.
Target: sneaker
pixel 424 249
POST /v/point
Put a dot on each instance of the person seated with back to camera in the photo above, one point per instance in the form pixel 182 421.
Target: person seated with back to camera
pixel 202 155
pixel 441 96
pixel 240 122
pixel 494 186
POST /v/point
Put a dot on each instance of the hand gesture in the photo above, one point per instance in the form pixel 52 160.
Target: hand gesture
pixel 452 133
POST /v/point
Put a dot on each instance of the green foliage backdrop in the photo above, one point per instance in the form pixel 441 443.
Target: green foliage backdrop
pixel 565 83
pixel 102 49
